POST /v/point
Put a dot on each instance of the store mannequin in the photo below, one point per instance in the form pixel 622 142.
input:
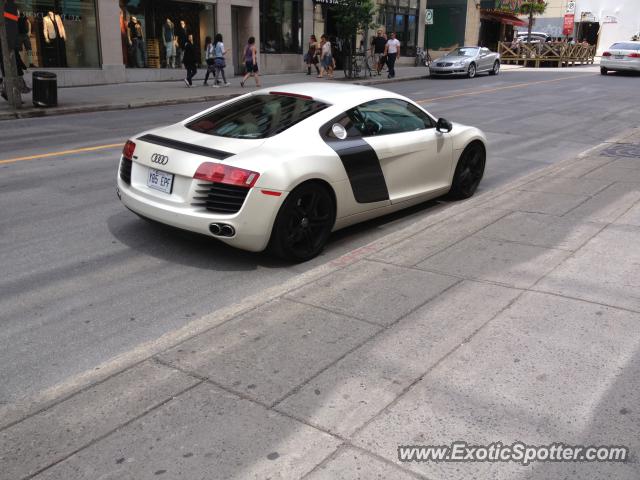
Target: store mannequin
pixel 55 38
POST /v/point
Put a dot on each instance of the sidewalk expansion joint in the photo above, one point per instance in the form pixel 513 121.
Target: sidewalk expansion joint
pixel 244 396
pixel 113 430
pixel 297 388
pixel 437 363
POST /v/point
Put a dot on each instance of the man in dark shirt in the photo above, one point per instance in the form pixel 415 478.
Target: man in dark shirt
pixel 189 59
pixel 377 50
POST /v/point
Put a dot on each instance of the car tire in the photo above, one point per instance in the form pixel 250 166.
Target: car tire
pixel 469 171
pixel 603 71
pixel 471 72
pixel 496 68
pixel 304 223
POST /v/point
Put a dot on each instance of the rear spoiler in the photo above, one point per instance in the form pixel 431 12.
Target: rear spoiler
pixel 185 147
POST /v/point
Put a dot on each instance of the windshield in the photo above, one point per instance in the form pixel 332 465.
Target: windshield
pixel 625 46
pixel 258 116
pixel 463 52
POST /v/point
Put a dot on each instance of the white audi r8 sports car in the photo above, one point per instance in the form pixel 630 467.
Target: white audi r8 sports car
pixel 284 167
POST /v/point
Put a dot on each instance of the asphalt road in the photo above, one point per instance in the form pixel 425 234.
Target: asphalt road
pixel 83 279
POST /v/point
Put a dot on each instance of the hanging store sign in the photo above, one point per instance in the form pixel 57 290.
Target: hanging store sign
pixel 571 7
pixel 509 5
pixel 567 27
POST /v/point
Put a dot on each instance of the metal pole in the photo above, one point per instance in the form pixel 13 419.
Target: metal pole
pixel 9 61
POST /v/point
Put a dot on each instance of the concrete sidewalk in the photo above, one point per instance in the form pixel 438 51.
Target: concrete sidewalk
pixel 513 316
pixel 135 95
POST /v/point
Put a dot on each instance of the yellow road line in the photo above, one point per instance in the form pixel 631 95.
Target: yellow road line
pixel 497 89
pixel 65 152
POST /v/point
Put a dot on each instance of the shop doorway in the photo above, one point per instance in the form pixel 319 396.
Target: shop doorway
pixel 588 31
pixel 241 31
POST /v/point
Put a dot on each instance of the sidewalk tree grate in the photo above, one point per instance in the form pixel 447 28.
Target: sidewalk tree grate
pixel 627 150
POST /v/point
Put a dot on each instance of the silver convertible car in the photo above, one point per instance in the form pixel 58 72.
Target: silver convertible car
pixel 467 61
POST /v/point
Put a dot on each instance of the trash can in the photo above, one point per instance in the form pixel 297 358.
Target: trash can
pixel 45 89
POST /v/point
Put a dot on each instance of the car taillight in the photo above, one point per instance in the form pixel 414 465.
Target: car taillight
pixel 219 173
pixel 129 148
pixel 606 54
pixel 634 55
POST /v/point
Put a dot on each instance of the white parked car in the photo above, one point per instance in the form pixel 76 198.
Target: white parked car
pixel 621 56
pixel 284 167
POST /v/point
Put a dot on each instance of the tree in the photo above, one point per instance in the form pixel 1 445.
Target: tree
pixel 531 8
pixel 352 16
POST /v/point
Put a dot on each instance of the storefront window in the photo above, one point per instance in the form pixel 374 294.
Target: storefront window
pixel 281 26
pixel 398 16
pixel 153 32
pixel 58 33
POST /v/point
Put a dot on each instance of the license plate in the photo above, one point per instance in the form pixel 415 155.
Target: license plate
pixel 159 180
pixel 618 57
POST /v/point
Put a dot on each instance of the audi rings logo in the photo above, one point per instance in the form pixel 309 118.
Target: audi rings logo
pixel 159 159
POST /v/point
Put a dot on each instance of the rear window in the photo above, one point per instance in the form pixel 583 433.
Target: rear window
pixel 625 46
pixel 258 116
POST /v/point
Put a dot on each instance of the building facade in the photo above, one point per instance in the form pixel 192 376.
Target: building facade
pixel 600 22
pixel 486 22
pixel 111 41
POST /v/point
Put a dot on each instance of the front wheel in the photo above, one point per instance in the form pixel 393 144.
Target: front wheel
pixel 471 73
pixel 469 171
pixel 304 223
pixel 603 71
pixel 496 68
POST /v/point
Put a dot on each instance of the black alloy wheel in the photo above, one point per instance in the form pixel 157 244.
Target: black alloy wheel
pixel 469 171
pixel 304 223
pixel 603 71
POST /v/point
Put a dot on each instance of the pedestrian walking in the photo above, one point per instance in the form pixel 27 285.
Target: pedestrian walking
pixel 219 62
pixel 311 57
pixel 326 58
pixel 251 62
pixel 168 37
pixel 209 55
pixel 377 50
pixel 392 52
pixel 189 60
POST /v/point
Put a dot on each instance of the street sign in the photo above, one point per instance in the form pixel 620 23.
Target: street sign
pixel 428 16
pixel 571 7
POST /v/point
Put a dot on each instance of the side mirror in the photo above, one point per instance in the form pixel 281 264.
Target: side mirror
pixel 444 125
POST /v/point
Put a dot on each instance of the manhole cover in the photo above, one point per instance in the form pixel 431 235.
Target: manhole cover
pixel 622 150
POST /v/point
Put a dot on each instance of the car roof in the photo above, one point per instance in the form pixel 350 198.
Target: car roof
pixel 331 92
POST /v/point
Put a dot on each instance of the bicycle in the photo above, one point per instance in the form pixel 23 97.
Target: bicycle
pixel 373 66
pixel 422 58
pixel 357 65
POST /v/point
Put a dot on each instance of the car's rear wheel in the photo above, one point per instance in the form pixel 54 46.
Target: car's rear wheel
pixel 469 171
pixel 604 71
pixel 304 223
pixel 471 72
pixel 496 68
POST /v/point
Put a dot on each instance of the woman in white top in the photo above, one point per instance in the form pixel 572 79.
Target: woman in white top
pixel 326 59
pixel 218 60
pixel 208 56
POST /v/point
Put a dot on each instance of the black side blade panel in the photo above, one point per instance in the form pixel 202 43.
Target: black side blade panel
pixel 185 147
pixel 363 169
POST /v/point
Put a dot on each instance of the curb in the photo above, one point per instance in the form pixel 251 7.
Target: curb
pixel 10 414
pixel 38 112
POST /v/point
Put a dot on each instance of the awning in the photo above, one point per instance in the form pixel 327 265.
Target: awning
pixel 502 17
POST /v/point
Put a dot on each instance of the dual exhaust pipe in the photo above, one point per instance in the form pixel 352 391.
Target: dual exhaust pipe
pixel 222 230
